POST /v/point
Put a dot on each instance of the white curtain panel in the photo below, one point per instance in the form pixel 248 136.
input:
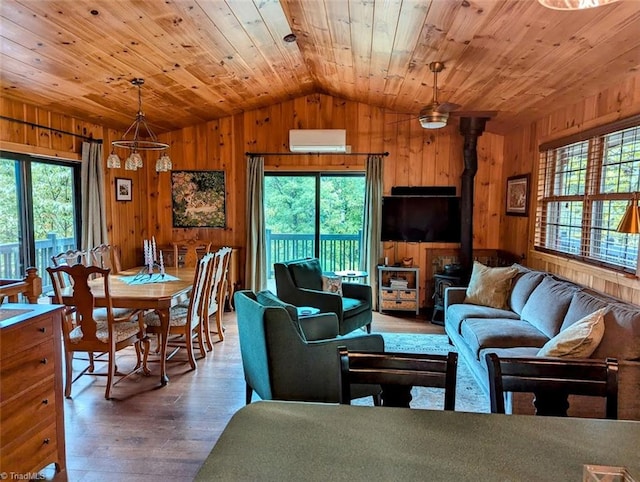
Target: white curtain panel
pixel 372 229
pixel 256 268
pixel 94 217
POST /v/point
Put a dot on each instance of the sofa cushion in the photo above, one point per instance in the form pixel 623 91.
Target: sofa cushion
pixel 621 338
pixel 579 340
pixel 490 286
pixel 353 306
pixel 457 313
pixel 583 304
pixel 621 322
pixel 481 333
pixel 307 274
pixel 548 304
pixel 523 285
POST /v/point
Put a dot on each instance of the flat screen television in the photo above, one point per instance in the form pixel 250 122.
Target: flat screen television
pixel 421 218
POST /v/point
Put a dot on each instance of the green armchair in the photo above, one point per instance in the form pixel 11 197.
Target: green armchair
pixel 299 282
pixel 289 358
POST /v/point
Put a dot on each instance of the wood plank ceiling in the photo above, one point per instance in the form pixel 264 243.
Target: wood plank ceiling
pixel 206 59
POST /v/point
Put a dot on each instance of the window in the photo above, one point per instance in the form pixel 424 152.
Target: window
pixel 40 212
pixel 314 215
pixel 584 187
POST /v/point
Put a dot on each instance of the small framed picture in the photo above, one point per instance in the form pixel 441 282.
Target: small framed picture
pixel 518 195
pixel 123 189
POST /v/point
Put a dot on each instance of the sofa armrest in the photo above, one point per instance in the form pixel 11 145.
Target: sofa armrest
pixel 325 301
pixel 453 296
pixel 319 327
pixel 357 291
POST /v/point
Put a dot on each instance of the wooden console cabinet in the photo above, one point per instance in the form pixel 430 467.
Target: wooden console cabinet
pixel 398 289
pixel 31 399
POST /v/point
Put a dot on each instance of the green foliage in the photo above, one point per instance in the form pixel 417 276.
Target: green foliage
pixel 290 204
pixel 53 209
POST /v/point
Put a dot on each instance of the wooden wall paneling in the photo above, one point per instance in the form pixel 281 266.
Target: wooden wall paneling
pixel 403 156
pixel 31 133
pixel 376 132
pixel 416 153
pixel 390 132
pixel 429 157
pixel 44 135
pixel 60 141
pixel 12 131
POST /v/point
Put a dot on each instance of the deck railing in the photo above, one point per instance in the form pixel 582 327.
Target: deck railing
pixel 337 251
pixel 10 264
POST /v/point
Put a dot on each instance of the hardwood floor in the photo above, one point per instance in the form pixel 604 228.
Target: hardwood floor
pixel 148 433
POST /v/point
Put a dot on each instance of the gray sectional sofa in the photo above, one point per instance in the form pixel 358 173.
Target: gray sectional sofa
pixel 540 306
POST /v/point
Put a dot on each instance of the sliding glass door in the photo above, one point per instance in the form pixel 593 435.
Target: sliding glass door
pixel 314 215
pixel 40 209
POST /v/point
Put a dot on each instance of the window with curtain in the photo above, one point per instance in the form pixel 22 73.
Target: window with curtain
pixel 585 184
pixel 40 212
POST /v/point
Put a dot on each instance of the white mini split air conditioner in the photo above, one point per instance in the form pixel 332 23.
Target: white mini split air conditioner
pixel 318 140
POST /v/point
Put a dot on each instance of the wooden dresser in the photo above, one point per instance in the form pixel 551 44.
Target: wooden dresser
pixel 31 397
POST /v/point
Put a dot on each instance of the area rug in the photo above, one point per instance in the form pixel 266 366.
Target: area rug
pixel 469 396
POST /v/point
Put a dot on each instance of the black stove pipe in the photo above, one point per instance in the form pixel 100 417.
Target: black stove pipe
pixel 471 128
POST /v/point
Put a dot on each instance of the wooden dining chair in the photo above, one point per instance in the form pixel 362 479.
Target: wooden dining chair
pixel 69 258
pixel 552 380
pixel 187 319
pixel 187 253
pixel 82 332
pixel 397 373
pixel 219 295
pixel 106 256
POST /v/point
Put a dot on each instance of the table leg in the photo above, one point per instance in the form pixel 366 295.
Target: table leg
pixel 164 340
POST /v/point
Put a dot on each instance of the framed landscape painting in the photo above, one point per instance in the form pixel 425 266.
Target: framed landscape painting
pixel 518 195
pixel 198 199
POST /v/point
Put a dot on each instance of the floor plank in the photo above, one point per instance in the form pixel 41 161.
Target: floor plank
pixel 147 433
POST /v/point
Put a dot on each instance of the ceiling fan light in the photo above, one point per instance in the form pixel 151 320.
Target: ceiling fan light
pixel 433 119
pixel 573 4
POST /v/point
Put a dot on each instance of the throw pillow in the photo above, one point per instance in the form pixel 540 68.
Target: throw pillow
pixel 332 284
pixel 579 340
pixel 490 286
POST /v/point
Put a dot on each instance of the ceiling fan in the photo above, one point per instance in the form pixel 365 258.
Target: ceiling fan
pixel 436 114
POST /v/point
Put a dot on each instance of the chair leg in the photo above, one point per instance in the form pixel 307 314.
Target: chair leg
pixel 145 355
pixel 188 340
pixel 91 365
pixel 110 373
pixel 248 394
pixel 199 334
pixel 68 360
pixel 369 328
pixel 219 324
pixel 207 333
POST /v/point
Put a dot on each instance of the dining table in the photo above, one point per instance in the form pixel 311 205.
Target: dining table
pixel 136 289
pixel 274 440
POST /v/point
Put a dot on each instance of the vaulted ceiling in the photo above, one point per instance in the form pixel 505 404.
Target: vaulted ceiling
pixel 206 59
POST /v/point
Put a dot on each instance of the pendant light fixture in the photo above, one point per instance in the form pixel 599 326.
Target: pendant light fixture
pixel 574 4
pixel 630 222
pixel 139 137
